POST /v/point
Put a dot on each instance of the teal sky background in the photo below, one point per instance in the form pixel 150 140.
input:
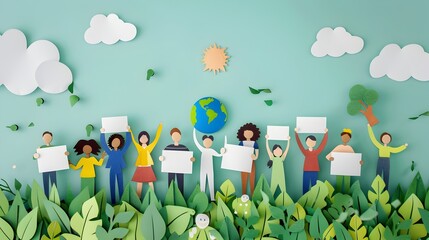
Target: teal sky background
pixel 269 43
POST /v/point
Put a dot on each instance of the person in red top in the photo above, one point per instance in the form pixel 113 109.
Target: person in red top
pixel 311 159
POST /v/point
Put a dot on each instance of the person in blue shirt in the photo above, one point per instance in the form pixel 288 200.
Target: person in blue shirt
pixel 115 147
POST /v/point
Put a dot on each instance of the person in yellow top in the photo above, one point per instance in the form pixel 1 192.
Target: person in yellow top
pixel 144 162
pixel 87 163
pixel 384 151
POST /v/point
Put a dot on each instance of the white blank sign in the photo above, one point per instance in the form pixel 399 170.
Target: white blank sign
pixel 311 124
pixel 346 164
pixel 52 159
pixel 237 158
pixel 278 132
pixel 177 161
pixel 115 124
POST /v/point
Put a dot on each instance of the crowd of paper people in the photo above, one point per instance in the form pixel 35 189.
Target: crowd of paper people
pixel 177 160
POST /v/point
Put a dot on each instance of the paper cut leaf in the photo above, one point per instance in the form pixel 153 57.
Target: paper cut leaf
pixel 24 69
pixel 153 226
pixel 400 64
pixel 215 59
pixel 13 127
pixel 315 198
pixel 16 212
pixel 178 218
pixel 150 73
pixel 40 101
pixel 71 88
pixel 227 191
pixel 73 100
pixel 31 124
pixel 422 114
pixel 380 194
pixel 89 128
pixel 254 91
pixel 335 43
pixel 6 231
pixel 85 225
pixel 410 210
pixel 412 166
pixel 53 231
pixel 268 102
pixel 109 30
pixel 28 225
pixel 318 224
pixel 56 213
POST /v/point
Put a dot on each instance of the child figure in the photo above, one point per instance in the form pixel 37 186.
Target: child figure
pixel 87 163
pixel 277 157
pixel 207 154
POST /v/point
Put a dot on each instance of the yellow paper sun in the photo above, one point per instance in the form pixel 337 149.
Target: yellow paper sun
pixel 215 59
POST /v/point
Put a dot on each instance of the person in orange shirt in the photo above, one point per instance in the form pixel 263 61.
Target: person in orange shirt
pixel 144 162
pixel 87 163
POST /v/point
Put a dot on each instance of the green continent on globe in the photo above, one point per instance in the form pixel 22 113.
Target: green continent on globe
pixel 204 102
pixel 223 109
pixel 211 115
pixel 194 115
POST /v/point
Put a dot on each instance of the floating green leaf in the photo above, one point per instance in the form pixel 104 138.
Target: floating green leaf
pixel 40 101
pixel 13 127
pixel 154 226
pixel 89 128
pixel 31 124
pixel 73 100
pixel 150 73
pixel 268 102
pixel 420 115
pixel 412 166
pixel 28 225
pixel 254 91
pixel 71 87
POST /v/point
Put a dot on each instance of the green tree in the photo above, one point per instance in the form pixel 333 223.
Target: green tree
pixel 361 101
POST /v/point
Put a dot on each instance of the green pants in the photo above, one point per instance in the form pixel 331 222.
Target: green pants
pixel 89 183
pixel 340 181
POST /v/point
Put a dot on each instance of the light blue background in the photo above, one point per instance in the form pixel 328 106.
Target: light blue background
pixel 269 44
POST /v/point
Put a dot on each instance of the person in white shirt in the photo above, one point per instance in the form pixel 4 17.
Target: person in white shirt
pixel 207 154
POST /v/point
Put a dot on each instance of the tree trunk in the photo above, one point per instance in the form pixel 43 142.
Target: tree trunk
pixel 372 120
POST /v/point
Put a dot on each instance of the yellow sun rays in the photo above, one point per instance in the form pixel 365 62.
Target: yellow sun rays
pixel 215 59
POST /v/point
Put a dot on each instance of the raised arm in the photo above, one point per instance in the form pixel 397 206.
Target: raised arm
pixel 136 144
pixel 201 148
pixel 99 162
pixel 286 150
pixel 267 146
pixel 323 144
pixel 155 141
pixel 127 142
pixel 103 143
pixel 373 139
pixel 298 141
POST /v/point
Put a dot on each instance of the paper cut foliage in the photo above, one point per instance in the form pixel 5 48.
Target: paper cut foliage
pixel 335 43
pixel 24 69
pixel 109 30
pixel 400 64
pixel 215 59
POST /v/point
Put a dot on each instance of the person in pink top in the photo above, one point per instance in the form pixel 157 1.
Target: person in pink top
pixel 311 158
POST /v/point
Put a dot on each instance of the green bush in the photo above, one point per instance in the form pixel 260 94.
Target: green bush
pixel 320 213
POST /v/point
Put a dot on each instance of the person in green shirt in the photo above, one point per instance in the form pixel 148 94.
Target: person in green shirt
pixel 384 151
pixel 277 157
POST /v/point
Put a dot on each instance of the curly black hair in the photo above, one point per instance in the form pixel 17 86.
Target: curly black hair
pixel 78 148
pixel 118 136
pixel 248 127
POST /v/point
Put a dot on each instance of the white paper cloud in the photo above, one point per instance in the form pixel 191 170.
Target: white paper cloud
pixel 401 64
pixel 109 30
pixel 24 69
pixel 335 43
